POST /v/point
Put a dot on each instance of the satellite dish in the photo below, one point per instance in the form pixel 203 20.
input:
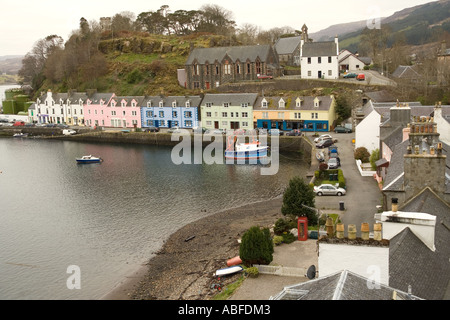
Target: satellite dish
pixel 311 273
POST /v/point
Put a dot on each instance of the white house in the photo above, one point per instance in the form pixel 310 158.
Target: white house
pixel 319 60
pixel 60 108
pixel 443 125
pixel 352 62
pixel 367 132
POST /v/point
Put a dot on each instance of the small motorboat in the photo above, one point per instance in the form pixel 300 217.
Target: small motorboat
pixel 228 271
pixel 20 135
pixel 89 159
pixel 245 151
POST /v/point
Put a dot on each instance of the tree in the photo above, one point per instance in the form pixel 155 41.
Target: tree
pixel 362 154
pixel 297 194
pixel 256 246
pixel 343 108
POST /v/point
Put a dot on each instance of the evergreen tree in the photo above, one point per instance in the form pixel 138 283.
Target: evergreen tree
pixel 299 193
pixel 256 247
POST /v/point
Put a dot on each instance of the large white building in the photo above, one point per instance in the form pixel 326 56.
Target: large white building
pixel 319 60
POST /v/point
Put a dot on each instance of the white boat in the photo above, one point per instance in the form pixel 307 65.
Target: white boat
pixel 20 135
pixel 245 151
pixel 227 271
pixel 89 159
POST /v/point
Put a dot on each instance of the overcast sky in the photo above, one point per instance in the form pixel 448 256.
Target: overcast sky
pixel 23 22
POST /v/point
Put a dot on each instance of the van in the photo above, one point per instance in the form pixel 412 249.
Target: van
pixel 361 77
pixel 68 132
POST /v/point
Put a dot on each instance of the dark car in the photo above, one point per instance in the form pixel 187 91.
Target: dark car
pixel 151 129
pixel 350 75
pixel 324 143
pixel 275 132
pixel 340 129
pixel 294 133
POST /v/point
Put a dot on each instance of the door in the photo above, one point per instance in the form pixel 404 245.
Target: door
pixel 216 124
pixel 320 74
pixel 208 86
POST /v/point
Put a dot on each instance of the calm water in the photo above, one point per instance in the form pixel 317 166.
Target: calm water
pixel 106 218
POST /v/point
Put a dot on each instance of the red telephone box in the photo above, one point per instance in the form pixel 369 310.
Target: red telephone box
pixel 302 228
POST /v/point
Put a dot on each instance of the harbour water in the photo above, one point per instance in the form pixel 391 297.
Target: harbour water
pixel 106 219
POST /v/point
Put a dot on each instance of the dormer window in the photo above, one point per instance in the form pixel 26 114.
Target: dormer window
pixel 188 104
pixel 113 103
pixel 244 105
pixel 226 104
pixel 298 103
pixel 133 104
pixel 174 104
pixel 149 104
pixel 316 102
pixel 161 104
pixel 123 104
pixel 264 103
pixel 281 103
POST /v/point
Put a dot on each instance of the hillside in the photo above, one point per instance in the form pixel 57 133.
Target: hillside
pixel 10 65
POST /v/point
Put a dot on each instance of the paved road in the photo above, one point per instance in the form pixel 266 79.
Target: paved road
pixel 363 194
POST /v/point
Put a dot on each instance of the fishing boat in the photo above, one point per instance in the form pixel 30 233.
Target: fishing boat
pixel 89 159
pixel 245 151
pixel 227 271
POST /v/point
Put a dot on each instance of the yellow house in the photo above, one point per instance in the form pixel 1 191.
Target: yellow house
pixel 288 113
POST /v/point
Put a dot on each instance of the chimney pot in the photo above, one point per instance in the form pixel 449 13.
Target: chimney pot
pixel 329 227
pixel 394 204
pixel 365 231
pixel 340 230
pixel 351 230
pixel 377 231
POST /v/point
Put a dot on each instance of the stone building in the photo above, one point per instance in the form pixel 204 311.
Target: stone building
pixel 208 68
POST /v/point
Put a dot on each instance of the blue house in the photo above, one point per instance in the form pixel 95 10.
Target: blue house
pixel 169 112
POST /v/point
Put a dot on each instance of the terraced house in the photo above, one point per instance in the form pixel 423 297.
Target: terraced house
pixel 288 113
pixel 228 111
pixel 208 68
pixel 169 112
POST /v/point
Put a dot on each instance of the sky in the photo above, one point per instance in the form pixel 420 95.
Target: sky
pixel 23 22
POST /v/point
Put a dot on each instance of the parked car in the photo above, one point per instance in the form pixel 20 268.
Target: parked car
pixel 199 130
pixel 18 124
pixel 333 163
pixel 294 133
pixel 62 125
pixel 323 137
pixel 151 129
pixel 328 190
pixel 275 132
pixel 340 129
pixel 68 132
pixel 324 143
pixel 350 75
pixel 361 77
pixel 174 130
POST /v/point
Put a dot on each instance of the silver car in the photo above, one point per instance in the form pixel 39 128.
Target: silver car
pixel 328 190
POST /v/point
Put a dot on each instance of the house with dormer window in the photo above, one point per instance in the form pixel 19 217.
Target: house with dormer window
pixel 99 109
pixel 171 111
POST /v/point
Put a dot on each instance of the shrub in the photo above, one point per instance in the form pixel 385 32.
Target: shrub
pixel 362 154
pixel 288 237
pixel 252 272
pixel 374 157
pixel 256 246
pixel 297 194
pixel 277 240
pixel 283 225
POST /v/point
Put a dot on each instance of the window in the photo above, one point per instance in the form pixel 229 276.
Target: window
pixel 329 59
pixel 208 114
pixel 217 69
pixel 74 111
pixel 319 60
pixel 208 104
pixel 174 114
pixel 161 104
pixel 281 103
pixel 227 68
pixel 297 115
pixel 238 69
pixel 226 104
pixel 244 115
pixel 208 123
pixel 309 60
pixel 264 104
pixel 124 113
pixel 174 123
pixel 113 113
pixel 312 115
pixel 188 123
pixel 330 73
pixel 309 73
pixel 133 104
pixel 174 104
pixel 224 114
pixel 161 114
pixel 232 114
pixel 133 113
pixel 124 104
pixel 188 114
pixel 248 68
pixel 244 105
pixel 150 123
pixel 188 104
pixel 258 67
pixel 149 114
pixel 280 115
pixel 207 69
pixel 245 124
pixel 195 69
pixel 265 115
pixel 196 85
pixel 224 123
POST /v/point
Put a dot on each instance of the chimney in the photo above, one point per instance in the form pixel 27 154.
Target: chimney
pixel 329 227
pixel 406 132
pixel 340 231
pixel 394 204
pixel 351 230
pixel 377 232
pixel 365 231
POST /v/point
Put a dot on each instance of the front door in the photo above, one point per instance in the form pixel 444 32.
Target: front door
pixel 216 124
pixel 320 74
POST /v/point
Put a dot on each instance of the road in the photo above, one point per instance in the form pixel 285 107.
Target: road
pixel 363 194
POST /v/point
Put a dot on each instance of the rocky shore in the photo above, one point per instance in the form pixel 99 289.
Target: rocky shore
pixel 184 268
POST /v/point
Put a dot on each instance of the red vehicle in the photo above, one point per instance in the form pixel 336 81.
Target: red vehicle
pixel 263 76
pixel 361 77
pixel 18 124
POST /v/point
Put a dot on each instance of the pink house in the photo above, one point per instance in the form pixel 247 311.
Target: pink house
pixel 108 110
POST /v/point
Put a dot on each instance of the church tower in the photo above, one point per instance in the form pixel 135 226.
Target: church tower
pixel 305 33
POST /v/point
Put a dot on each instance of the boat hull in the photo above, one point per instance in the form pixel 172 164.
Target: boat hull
pixel 246 155
pixel 88 161
pixel 229 270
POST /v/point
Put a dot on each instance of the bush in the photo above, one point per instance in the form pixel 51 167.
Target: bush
pixel 252 272
pixel 374 157
pixel 256 247
pixel 288 237
pixel 362 154
pixel 277 240
pixel 284 225
pixel 297 194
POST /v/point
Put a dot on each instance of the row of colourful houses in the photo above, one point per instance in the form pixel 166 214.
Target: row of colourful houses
pixel 211 111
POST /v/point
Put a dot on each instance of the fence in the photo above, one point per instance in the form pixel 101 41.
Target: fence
pixel 281 271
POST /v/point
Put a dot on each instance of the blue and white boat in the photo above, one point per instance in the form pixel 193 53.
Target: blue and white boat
pixel 246 151
pixel 89 159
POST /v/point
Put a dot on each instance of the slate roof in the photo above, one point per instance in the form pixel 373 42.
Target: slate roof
pixel 380 96
pixel 306 105
pixel 394 177
pixel 287 45
pixel 405 72
pixel 319 49
pixel 411 262
pixel 96 97
pixel 181 100
pixel 343 285
pixel 234 99
pixel 241 53
pixel 129 99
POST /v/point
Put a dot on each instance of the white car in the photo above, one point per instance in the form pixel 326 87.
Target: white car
pixel 322 137
pixel 328 189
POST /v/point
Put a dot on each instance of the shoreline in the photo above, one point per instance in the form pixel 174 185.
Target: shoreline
pixel 184 269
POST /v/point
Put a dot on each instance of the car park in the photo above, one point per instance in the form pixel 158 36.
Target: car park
pixel 340 129
pixel 324 143
pixel 350 75
pixel 328 190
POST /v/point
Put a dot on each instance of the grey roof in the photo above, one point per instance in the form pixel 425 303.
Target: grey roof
pixel 319 49
pixel 394 138
pixel 241 53
pixel 380 96
pixel 405 72
pixel 366 60
pixel 394 177
pixel 181 100
pixel 411 262
pixel 287 45
pixel 96 97
pixel 234 99
pixel 306 105
pixel 74 97
pixel 343 285
pixel 129 99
